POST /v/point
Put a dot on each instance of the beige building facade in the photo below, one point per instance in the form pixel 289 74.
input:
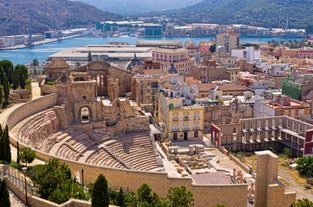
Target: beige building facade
pixel 178 56
pixel 228 39
pixel 181 122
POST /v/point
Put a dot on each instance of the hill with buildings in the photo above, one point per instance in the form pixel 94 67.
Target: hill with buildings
pixel 139 6
pixel 58 14
pixel 265 13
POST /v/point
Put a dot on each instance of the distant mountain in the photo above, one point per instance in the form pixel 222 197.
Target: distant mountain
pixel 139 6
pixel 266 13
pixel 48 14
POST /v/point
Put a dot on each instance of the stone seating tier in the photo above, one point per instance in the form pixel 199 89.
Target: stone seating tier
pixel 102 158
pixel 133 150
pixel 66 152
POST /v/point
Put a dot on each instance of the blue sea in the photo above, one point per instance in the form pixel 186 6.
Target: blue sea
pixel 41 52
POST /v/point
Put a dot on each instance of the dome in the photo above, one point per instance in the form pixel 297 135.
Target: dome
pixel 57 63
pixel 220 48
pixel 172 69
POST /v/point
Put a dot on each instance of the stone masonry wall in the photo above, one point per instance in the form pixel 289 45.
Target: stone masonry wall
pixel 31 108
pixel 205 195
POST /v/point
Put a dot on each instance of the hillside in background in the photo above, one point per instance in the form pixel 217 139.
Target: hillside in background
pixel 266 13
pixel 48 14
pixel 139 6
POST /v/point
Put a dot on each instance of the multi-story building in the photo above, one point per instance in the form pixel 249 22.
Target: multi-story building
pixel 305 53
pixel 281 105
pixel 181 122
pixel 228 39
pixel 7 41
pixel 250 54
pixel 153 30
pixel 234 73
pixel 227 89
pixel 145 89
pixel 111 27
pixel 178 56
pixel 297 86
pixel 177 112
pixel 209 72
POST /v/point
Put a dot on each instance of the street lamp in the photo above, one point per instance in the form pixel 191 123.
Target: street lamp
pixel 82 170
pixel 24 172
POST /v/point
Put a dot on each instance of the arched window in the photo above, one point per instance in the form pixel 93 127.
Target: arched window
pixel 85 116
pixel 79 79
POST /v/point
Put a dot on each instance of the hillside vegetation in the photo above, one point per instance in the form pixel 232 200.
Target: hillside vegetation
pixel 266 13
pixel 47 14
pixel 139 6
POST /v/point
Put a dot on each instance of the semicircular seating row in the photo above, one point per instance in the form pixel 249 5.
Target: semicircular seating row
pixel 135 149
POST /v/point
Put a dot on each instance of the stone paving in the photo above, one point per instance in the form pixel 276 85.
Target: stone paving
pixel 15 202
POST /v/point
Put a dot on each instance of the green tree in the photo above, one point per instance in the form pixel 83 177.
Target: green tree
pixel 130 199
pixel 4 195
pixel 179 197
pixel 18 152
pixel 305 166
pixel 20 75
pixel 66 190
pixel 5 85
pixel 148 198
pixel 27 155
pixel 5 150
pixel 7 66
pixel 1 143
pixel 120 198
pixel 1 96
pixel 112 195
pixel 6 90
pixel 144 194
pixel 15 78
pixel 53 181
pixel 302 203
pixel 100 194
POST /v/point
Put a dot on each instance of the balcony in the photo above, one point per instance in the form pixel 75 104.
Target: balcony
pixel 186 118
pixel 197 118
pixel 196 127
pixel 175 130
pixel 175 119
pixel 186 129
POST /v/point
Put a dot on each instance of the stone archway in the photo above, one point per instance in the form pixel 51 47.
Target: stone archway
pixel 84 114
pixel 79 79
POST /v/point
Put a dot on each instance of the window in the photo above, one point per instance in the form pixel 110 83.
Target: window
pixel 84 115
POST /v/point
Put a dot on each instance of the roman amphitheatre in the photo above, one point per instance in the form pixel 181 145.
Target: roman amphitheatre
pixel 88 120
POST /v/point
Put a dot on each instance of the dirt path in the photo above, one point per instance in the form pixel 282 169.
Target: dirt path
pixel 291 185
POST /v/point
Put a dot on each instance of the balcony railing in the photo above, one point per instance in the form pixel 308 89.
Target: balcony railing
pixel 175 118
pixel 175 130
pixel 196 117
pixel 185 128
pixel 186 118
pixel 196 128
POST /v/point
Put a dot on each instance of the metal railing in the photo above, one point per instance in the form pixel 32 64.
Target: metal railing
pixel 17 178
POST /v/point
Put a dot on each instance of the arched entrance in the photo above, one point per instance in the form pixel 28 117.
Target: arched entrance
pixel 84 115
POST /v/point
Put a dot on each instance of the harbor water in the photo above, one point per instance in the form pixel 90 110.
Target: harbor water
pixel 41 52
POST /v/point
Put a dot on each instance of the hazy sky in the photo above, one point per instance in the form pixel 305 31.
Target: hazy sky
pixel 139 6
